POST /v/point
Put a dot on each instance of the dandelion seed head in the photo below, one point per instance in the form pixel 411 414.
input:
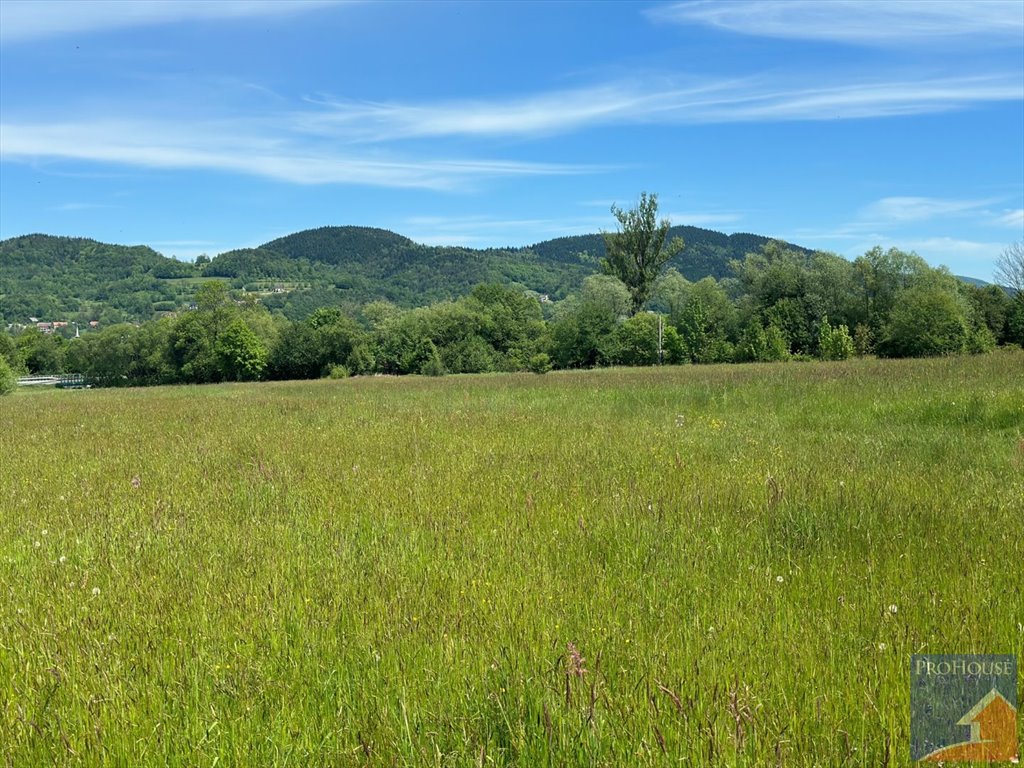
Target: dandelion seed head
pixel 95 591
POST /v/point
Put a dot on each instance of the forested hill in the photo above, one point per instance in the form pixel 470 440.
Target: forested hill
pixel 707 253
pixel 60 278
pixel 56 277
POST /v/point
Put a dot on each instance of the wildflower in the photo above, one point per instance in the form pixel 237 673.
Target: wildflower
pixel 37 544
pixel 62 559
pixel 45 531
pixel 881 646
pixel 779 579
pixel 95 591
pixel 893 609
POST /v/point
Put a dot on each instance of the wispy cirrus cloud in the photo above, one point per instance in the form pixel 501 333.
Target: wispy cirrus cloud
pixel 900 210
pixel 659 100
pixel 336 142
pixel 961 255
pixel 1014 218
pixel 957 253
pixel 26 20
pixel 231 145
pixel 859 22
pixel 895 212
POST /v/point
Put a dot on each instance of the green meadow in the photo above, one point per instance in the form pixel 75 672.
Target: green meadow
pixel 694 565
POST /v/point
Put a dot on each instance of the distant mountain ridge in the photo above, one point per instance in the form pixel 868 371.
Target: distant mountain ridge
pixel 76 278
pixel 707 252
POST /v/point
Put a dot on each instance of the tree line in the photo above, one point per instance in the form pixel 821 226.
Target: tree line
pixel 778 304
pixel 778 307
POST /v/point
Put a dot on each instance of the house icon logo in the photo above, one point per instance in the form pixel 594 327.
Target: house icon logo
pixel 963 708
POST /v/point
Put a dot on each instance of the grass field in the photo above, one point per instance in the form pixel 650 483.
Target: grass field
pixel 697 565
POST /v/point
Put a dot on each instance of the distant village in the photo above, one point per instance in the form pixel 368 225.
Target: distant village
pixel 48 327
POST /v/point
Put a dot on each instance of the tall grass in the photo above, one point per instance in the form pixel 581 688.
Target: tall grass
pixel 695 565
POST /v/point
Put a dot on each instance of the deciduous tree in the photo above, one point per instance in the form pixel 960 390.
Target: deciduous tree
pixel 638 252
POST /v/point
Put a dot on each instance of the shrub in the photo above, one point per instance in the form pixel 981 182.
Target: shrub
pixel 981 340
pixel 7 379
pixel 539 363
pixel 925 322
pixel 834 343
pixel 338 372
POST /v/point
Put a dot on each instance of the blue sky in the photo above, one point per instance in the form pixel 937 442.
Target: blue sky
pixel 204 126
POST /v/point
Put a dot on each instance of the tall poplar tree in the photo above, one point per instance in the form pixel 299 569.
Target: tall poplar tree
pixel 638 252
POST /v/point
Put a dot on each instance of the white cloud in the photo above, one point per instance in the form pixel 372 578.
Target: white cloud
pixel 227 146
pixel 954 252
pixel 1012 218
pixel 658 101
pixel 860 22
pixel 900 210
pixel 22 20
pixel 337 142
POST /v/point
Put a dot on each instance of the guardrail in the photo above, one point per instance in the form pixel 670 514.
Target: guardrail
pixel 64 381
